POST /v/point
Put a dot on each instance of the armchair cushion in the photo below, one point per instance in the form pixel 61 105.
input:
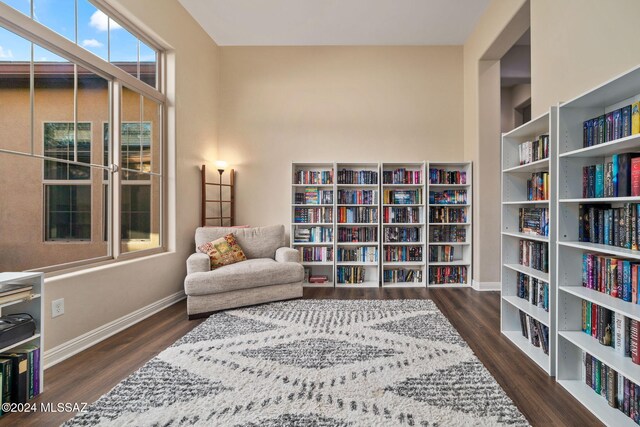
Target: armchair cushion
pixel 223 251
pixel 198 263
pixel 256 242
pixel 243 275
pixel 287 255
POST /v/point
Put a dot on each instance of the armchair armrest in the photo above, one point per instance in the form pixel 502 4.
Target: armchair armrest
pixel 198 263
pixel 287 255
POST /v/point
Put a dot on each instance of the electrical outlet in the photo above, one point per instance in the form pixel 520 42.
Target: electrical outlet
pixel 57 307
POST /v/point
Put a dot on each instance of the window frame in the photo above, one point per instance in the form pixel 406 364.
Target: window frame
pixel 35 32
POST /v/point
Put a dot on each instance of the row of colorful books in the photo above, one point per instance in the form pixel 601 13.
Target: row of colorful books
pixel 392 214
pixel 533 290
pixel 313 215
pixel 448 197
pixel 442 253
pixel 313 196
pixel 313 235
pixel 535 331
pixel 447 214
pixel 402 234
pixel 444 176
pixel 357 234
pixel 314 177
pixel 357 214
pixel 534 255
pixel 533 221
pixel 532 151
pixel 611 329
pixel 402 253
pixel 20 374
pixel 454 274
pixel 448 234
pixel 612 276
pixel 613 125
pixel 365 177
pixel 620 392
pixel 618 176
pixel 402 176
pixel 402 275
pixel 538 186
pixel 358 197
pixel 317 254
pixel 360 254
pixel 610 226
pixel 402 197
pixel 350 274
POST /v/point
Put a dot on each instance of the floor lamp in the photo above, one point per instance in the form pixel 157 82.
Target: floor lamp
pixel 221 165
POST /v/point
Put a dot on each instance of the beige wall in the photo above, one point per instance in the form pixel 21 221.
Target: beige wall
pixel 101 295
pixel 511 98
pixel 494 34
pixel 284 104
pixel 579 44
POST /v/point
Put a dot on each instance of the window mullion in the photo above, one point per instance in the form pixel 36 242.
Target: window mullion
pixel 115 146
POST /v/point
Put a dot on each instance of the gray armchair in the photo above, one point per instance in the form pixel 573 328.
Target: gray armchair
pixel 272 272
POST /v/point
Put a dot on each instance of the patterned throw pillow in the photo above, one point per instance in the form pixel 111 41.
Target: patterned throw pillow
pixel 223 251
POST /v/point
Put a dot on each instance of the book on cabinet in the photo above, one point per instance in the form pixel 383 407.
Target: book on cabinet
pixel 528 298
pixel 448 223
pixel 597 247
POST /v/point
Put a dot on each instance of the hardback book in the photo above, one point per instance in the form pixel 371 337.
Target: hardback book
pixel 620 382
pixel 625 112
pixel 612 387
pixel 33 372
pixel 617 124
pixel 19 376
pixel 620 328
pixel 635 176
pixel 635 118
pixel 608 179
pixel 614 174
pixel 634 342
pixel 588 370
pixel 608 126
pixel 599 180
pixel 5 369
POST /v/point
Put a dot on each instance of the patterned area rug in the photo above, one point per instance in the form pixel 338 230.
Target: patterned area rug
pixel 312 363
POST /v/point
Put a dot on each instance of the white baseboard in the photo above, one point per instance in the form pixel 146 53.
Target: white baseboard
pixel 84 341
pixel 486 286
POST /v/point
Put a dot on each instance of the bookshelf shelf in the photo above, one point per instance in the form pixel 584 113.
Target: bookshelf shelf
pixel 575 127
pixel 312 244
pixel 526 236
pixel 535 353
pixel 357 243
pixel 519 183
pixel 404 190
pixel 522 304
pixel 445 182
pixel 318 285
pixel 606 354
pixel 33 306
pixel 366 284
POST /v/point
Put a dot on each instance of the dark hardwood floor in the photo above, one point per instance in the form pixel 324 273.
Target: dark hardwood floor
pixel 476 316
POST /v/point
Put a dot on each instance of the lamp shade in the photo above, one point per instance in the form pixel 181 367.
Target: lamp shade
pixel 221 164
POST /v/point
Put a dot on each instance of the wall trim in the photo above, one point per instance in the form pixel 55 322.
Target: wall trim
pixel 485 286
pixel 76 345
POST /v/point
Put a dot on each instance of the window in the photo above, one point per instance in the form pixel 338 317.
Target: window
pixel 61 165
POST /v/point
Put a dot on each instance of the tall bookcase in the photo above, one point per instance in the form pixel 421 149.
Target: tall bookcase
pixel 358 213
pixel 449 220
pixel 404 227
pixel 313 218
pixel 523 286
pixel 572 343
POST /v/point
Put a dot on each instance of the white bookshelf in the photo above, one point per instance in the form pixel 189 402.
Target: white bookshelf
pixel 345 190
pixel 393 244
pixel 514 197
pixel 462 249
pixel 323 265
pixel 572 156
pixel 34 305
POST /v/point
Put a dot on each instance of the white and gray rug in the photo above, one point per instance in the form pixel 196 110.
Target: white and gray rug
pixel 312 363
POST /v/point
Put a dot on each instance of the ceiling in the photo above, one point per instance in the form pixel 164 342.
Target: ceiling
pixel 336 22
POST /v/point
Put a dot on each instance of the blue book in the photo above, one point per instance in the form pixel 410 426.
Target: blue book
pixel 607 228
pixel 614 174
pixel 599 180
pixel 626 281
